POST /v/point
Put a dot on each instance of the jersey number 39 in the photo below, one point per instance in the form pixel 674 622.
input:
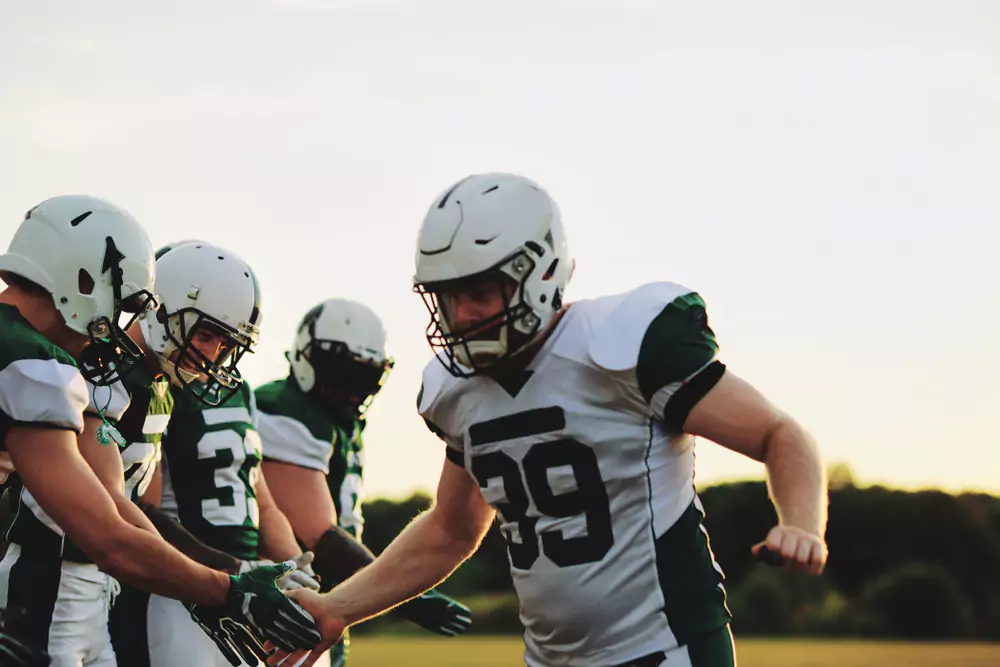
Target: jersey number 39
pixel 589 498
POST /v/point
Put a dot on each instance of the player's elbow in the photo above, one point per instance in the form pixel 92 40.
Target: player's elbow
pixel 463 536
pixel 786 437
pixel 106 557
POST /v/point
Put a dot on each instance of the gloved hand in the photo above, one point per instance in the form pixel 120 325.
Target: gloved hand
pixel 301 577
pixel 437 613
pixel 255 603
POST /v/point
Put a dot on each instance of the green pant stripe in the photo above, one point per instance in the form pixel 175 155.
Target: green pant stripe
pixel 694 599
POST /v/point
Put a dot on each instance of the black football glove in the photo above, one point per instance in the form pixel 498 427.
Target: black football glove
pixel 14 652
pixel 438 613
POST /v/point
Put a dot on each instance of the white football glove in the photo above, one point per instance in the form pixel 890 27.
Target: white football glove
pixel 300 577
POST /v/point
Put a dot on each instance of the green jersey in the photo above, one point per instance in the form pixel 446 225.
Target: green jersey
pixel 140 407
pixel 211 465
pixel 40 385
pixel 297 429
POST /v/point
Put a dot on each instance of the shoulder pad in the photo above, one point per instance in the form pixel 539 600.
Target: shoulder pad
pixel 620 323
pixel 289 440
pixel 435 380
pixel 44 391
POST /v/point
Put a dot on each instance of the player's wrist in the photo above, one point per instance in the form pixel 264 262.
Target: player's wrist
pixel 232 589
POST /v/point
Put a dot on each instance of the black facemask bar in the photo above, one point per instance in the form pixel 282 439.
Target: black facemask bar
pixel 444 340
pixel 345 379
pixel 223 378
pixel 111 353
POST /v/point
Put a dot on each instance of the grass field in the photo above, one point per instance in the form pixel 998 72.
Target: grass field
pixel 386 651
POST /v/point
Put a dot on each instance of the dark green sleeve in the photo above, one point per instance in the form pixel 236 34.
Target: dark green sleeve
pixel 677 345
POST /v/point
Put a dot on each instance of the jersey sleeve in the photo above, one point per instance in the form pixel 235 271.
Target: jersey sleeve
pixel 658 337
pixel 288 440
pixel 677 362
pixel 428 405
pixel 44 392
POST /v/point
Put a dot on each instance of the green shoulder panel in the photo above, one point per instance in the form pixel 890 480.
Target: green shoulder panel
pixel 678 343
pixel 283 397
pixel 22 341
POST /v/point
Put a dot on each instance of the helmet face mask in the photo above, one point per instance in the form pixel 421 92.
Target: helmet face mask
pixel 110 353
pixel 211 379
pixel 473 348
pixel 344 379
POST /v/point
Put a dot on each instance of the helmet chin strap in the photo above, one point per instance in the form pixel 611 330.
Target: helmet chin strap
pixel 493 349
pixel 178 376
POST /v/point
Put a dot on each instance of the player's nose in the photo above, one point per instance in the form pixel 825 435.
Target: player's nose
pixel 466 312
pixel 209 348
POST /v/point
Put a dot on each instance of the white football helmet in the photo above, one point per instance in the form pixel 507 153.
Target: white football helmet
pixel 484 228
pixel 339 354
pixel 97 263
pixel 204 292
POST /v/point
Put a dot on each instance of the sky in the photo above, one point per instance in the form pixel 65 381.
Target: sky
pixel 825 174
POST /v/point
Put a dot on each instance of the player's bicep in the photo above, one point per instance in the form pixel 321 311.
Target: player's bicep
pixel 460 506
pixel 53 470
pixel 735 415
pixel 104 460
pixel 302 494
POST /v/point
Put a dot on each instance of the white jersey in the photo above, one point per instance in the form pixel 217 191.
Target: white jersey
pixel 593 485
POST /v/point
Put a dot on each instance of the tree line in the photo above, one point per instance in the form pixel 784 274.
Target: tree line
pixel 903 564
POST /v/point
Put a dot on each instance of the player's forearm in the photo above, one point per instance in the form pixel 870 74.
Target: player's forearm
pixel 277 541
pixel 796 477
pixel 189 545
pixel 337 556
pixel 146 561
pixel 132 514
pixel 421 557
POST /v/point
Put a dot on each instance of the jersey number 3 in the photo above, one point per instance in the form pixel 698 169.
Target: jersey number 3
pixel 589 498
pixel 229 503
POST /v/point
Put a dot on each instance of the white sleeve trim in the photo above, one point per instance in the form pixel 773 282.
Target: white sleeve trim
pixel 44 391
pixel 289 441
pixel 658 403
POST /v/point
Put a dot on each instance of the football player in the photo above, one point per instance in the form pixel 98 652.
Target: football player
pixel 207 318
pixel 575 423
pixel 311 424
pixel 74 269
pixel 209 480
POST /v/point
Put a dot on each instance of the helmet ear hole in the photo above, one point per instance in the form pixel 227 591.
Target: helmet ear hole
pixel 85 283
pixel 161 314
